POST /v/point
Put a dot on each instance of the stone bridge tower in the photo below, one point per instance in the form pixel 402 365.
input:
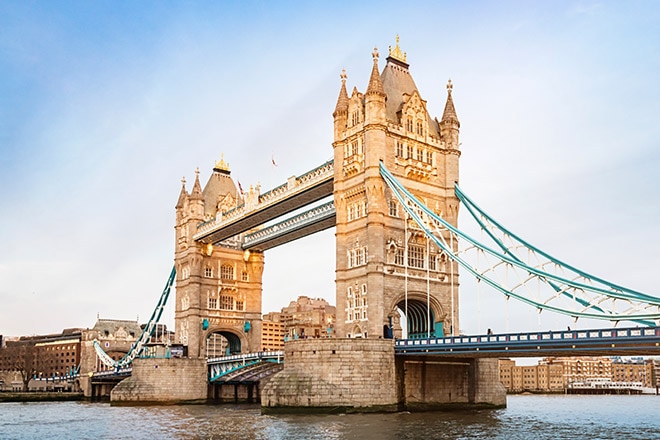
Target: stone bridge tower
pixel 218 289
pixel 385 265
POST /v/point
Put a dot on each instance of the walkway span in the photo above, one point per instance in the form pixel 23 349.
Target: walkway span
pixel 259 209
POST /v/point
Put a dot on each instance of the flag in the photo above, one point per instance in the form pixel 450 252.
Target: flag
pixel 272 159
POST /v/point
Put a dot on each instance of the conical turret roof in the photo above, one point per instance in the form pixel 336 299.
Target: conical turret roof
pixel 449 115
pixel 196 192
pixel 375 82
pixel 342 100
pixel 183 195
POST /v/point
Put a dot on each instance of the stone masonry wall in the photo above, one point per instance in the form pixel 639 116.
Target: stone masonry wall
pixel 451 383
pixel 342 375
pixel 163 381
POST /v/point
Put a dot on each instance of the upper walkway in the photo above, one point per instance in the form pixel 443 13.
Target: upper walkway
pixel 259 209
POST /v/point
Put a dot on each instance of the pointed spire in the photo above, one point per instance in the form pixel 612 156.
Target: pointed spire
pixel 196 192
pixel 342 101
pixel 375 82
pixel 182 195
pixel 449 115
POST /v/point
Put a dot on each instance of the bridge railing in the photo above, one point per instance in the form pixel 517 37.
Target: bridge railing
pixel 124 371
pixel 541 338
pixel 277 354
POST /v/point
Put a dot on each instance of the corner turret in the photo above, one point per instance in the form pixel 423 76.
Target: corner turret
pixel 340 114
pixel 375 97
pixel 449 125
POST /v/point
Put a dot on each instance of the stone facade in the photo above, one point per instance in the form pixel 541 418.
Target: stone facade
pixel 218 288
pixel 384 263
pixel 163 381
pixel 334 375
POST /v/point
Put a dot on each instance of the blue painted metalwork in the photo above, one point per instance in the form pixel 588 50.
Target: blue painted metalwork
pixel 226 365
pixel 639 307
pixel 637 339
pixel 144 338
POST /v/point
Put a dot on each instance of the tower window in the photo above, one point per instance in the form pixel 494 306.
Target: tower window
pixel 420 128
pixel 227 272
pixel 398 256
pixel 399 149
pixel 245 276
pixel 416 256
pixel 208 272
pixel 410 152
pixel 226 302
pixel 420 155
pixel 394 208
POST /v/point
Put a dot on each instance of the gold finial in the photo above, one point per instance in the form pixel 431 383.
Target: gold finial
pixel 221 165
pixel 396 52
pixel 450 86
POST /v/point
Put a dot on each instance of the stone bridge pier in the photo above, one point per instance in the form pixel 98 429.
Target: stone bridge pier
pixel 364 375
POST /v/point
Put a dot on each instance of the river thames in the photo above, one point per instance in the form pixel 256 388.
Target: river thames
pixel 526 417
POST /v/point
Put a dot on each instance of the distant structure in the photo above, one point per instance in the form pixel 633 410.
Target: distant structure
pixel 218 288
pixel 42 356
pixel 557 374
pixel 65 358
pixel 303 318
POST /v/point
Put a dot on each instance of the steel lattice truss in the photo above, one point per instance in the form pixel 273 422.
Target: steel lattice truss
pixel 144 338
pixel 523 272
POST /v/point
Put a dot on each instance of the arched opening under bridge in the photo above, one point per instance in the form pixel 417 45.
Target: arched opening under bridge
pixel 418 320
pixel 222 343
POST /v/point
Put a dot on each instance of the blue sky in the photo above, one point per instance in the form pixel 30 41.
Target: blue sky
pixel 104 106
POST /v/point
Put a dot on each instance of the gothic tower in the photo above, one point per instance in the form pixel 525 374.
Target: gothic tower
pixel 218 288
pixel 385 264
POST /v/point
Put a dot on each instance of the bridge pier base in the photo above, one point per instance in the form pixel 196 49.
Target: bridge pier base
pixel 163 381
pixel 234 393
pixel 428 383
pixel 333 375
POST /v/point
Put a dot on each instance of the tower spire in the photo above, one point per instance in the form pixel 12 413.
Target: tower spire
pixel 196 192
pixel 449 115
pixel 375 82
pixel 342 101
pixel 182 195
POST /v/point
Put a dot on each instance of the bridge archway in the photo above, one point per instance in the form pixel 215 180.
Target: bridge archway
pixel 419 311
pixel 222 343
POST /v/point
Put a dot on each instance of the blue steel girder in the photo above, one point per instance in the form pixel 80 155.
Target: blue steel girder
pixel 637 341
pixel 249 372
pixel 301 191
pixel 225 368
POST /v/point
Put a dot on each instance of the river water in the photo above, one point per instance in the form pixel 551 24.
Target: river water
pixel 526 417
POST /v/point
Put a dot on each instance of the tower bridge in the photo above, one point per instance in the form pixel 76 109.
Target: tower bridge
pixel 393 181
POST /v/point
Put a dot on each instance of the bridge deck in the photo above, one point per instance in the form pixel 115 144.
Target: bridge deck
pixel 596 342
